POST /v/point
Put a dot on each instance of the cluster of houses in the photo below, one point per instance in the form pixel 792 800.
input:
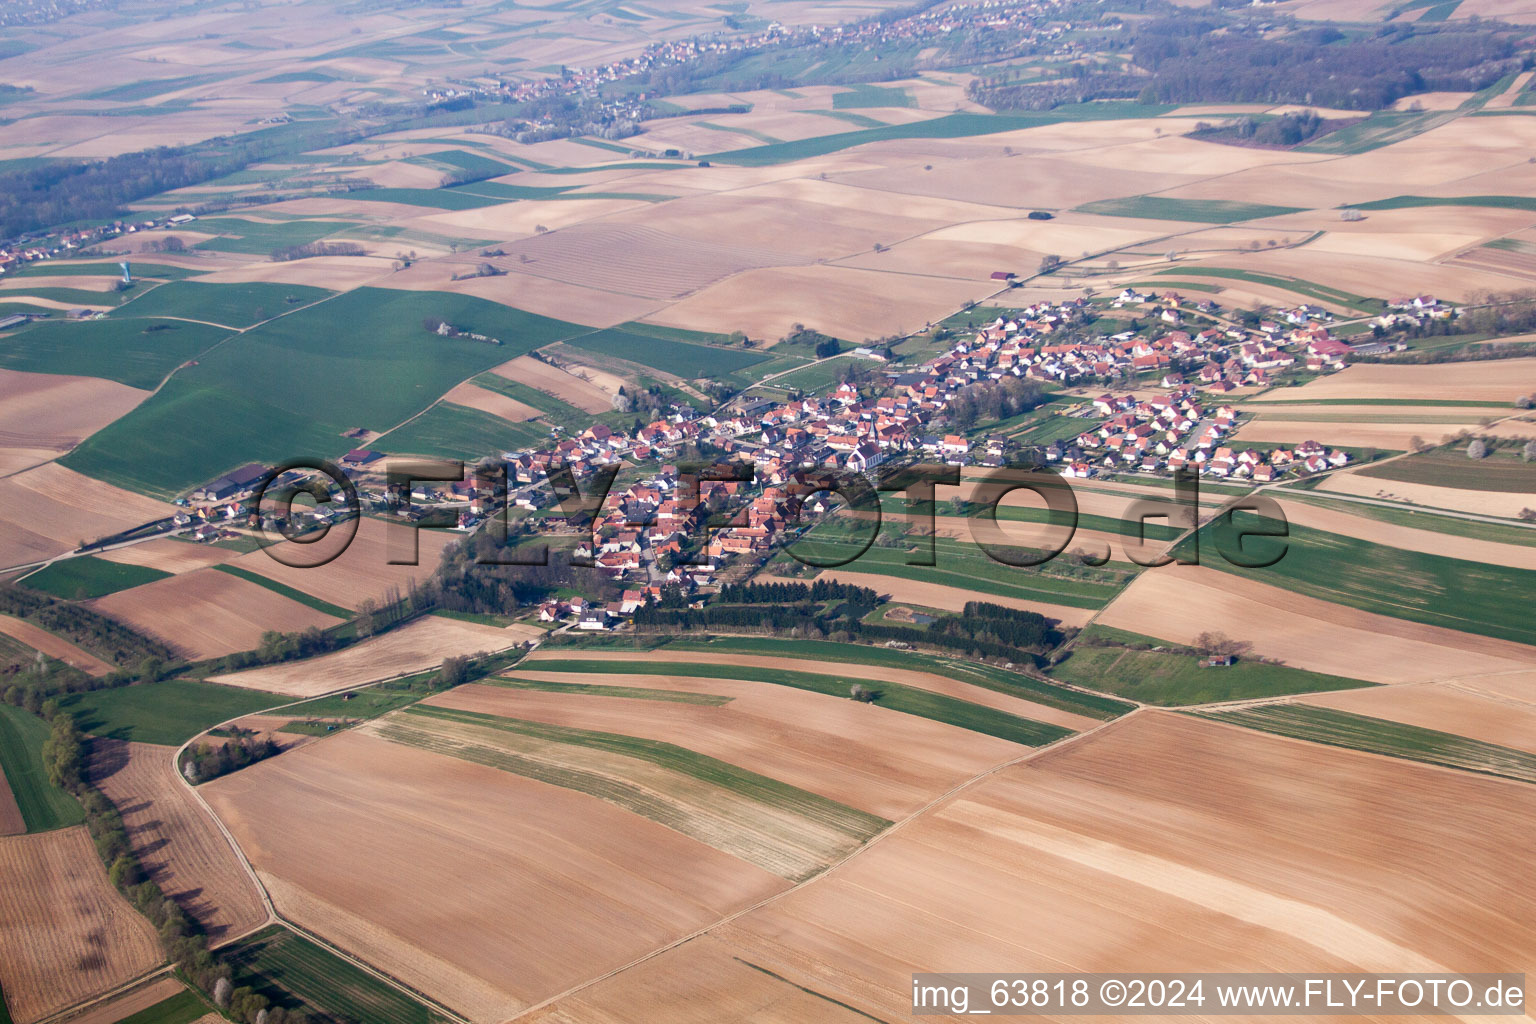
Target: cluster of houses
pixel 1172 432
pixel 669 529
pixel 32 248
pixel 1022 16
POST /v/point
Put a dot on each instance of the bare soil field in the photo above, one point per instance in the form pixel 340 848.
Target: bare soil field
pixel 1196 846
pixel 11 821
pixel 361 572
pixel 169 555
pixel 65 933
pixel 1341 522
pixel 1459 708
pixel 793 840
pixel 495 403
pixel 420 645
pixel 721 987
pixel 540 887
pixel 54 646
pixel 49 510
pixel 1388 436
pixel 1179 602
pixel 176 840
pixel 951 599
pixel 887 764
pixel 1506 504
pixel 1495 380
pixel 582 304
pixel 635 258
pixel 920 680
pixel 335 272
pixel 552 381
pixel 130 1003
pixel 841 301
pixel 207 613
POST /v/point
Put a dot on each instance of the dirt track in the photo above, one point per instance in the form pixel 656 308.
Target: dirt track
pixel 177 842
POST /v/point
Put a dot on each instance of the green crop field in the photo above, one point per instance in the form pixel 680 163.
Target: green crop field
pixel 1409 202
pixel 292 386
pixel 261 238
pixel 75 296
pixel 289 592
pixel 1200 211
pixel 990 677
pixel 950 126
pixel 138 353
pixel 1381 128
pixel 1473 597
pixel 817 376
pixel 596 690
pixel 458 161
pixel 43 805
pixel 434 198
pixel 184 1007
pixel 188 434
pixel 278 963
pixel 898 697
pixel 1162 677
pixel 230 305
pixel 87 577
pixel 871 96
pixel 1379 736
pixel 963 564
pixel 167 713
pixel 457 432
pixel 1499 472
pixel 678 358
pixel 68 268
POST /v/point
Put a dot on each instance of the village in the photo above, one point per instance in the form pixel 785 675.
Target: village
pixel 774 461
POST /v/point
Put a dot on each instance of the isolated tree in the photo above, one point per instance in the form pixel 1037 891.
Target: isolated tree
pixel 1049 263
pixel 1529 454
pixel 454 672
pixel 860 693
pixel 1416 443
pixel 1476 449
pixel 1525 402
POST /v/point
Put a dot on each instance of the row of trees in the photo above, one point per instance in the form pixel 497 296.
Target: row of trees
pixel 107 638
pixel 65 759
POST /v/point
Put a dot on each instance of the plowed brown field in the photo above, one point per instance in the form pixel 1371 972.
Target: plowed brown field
pixel 1177 844
pixel 65 933
pixel 177 842
pixel 54 646
pixel 483 889
pixel 420 645
pixel 362 572
pixel 888 764
pixel 206 613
